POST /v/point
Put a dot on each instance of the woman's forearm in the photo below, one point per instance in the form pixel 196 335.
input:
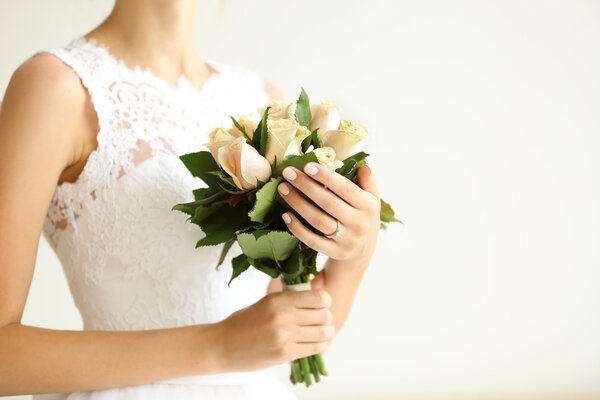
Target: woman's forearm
pixel 341 279
pixel 38 360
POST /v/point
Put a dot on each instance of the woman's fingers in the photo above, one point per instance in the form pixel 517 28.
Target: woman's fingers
pixel 321 316
pixel 323 197
pixel 314 298
pixel 316 333
pixel 316 217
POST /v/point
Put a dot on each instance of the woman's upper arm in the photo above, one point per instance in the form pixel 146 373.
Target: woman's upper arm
pixel 274 91
pixel 38 117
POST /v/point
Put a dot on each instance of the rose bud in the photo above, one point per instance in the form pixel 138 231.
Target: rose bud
pixel 347 140
pixel 279 110
pixel 247 123
pixel 326 156
pixel 325 116
pixel 243 163
pixel 285 138
pixel 218 138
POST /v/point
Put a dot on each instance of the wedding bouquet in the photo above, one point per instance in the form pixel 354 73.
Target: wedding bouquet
pixel 242 171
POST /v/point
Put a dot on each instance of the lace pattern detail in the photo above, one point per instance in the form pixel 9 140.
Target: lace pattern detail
pixel 140 115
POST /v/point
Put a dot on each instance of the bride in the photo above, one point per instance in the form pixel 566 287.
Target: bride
pixel 90 134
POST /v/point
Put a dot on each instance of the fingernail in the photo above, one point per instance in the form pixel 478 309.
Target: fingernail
pixel 289 174
pixel 370 168
pixel 283 189
pixel 286 218
pixel 310 169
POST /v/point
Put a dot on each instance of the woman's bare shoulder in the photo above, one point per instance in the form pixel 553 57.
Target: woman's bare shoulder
pixel 46 88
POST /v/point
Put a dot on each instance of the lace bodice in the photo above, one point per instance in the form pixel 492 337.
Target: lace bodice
pixel 130 261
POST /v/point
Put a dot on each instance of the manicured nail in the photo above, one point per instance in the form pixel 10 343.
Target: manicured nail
pixel 283 189
pixel 289 173
pixel 310 169
pixel 286 218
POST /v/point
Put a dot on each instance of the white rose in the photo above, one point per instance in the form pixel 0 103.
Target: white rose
pixel 243 163
pixel 326 157
pixel 348 139
pixel 279 110
pixel 325 116
pixel 285 138
pixel 218 138
pixel 246 122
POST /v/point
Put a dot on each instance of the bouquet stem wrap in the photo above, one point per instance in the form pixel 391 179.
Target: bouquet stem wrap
pixel 302 368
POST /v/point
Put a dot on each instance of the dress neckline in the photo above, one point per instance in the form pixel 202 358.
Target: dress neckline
pixel 183 83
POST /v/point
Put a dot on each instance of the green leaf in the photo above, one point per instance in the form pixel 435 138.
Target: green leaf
pixel 241 128
pixel 293 266
pixel 265 198
pixel 295 161
pixel 224 251
pixel 259 183
pixel 265 265
pixel 188 208
pixel 226 218
pixel 200 164
pixel 352 164
pixel 309 259
pixel 306 143
pixel 274 163
pixel 202 212
pixel 207 195
pixel 312 139
pixel 224 178
pixel 215 238
pixel 264 133
pixel 316 142
pixel 261 134
pixel 256 136
pixel 227 189
pixel 239 264
pixel 387 213
pixel 276 245
pixel 303 109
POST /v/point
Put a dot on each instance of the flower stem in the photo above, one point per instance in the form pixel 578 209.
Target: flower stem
pixel 306 371
pixel 320 364
pixel 293 376
pixel 314 369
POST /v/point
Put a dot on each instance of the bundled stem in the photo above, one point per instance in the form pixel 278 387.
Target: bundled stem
pixel 303 369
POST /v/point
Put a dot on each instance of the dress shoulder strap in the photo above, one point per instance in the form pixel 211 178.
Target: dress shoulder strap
pixel 70 197
pixel 90 67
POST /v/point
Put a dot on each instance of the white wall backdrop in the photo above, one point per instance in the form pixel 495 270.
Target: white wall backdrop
pixel 485 137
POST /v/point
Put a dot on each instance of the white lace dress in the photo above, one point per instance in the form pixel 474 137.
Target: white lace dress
pixel 130 261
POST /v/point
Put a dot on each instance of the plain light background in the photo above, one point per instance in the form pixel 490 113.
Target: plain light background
pixel 485 138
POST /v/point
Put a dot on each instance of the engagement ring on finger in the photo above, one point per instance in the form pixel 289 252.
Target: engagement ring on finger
pixel 336 233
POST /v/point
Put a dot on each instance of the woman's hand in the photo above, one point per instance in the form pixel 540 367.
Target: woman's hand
pixel 279 328
pixel 356 207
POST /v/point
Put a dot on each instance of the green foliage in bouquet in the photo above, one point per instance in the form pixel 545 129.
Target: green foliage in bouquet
pixel 227 213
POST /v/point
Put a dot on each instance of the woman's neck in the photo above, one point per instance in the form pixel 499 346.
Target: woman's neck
pixel 155 34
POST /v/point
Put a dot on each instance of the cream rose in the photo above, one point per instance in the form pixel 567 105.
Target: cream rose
pixel 246 122
pixel 347 140
pixel 218 138
pixel 326 156
pixel 243 163
pixel 325 116
pixel 279 110
pixel 285 138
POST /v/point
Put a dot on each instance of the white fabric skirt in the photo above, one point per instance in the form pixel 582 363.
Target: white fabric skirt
pixel 256 385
